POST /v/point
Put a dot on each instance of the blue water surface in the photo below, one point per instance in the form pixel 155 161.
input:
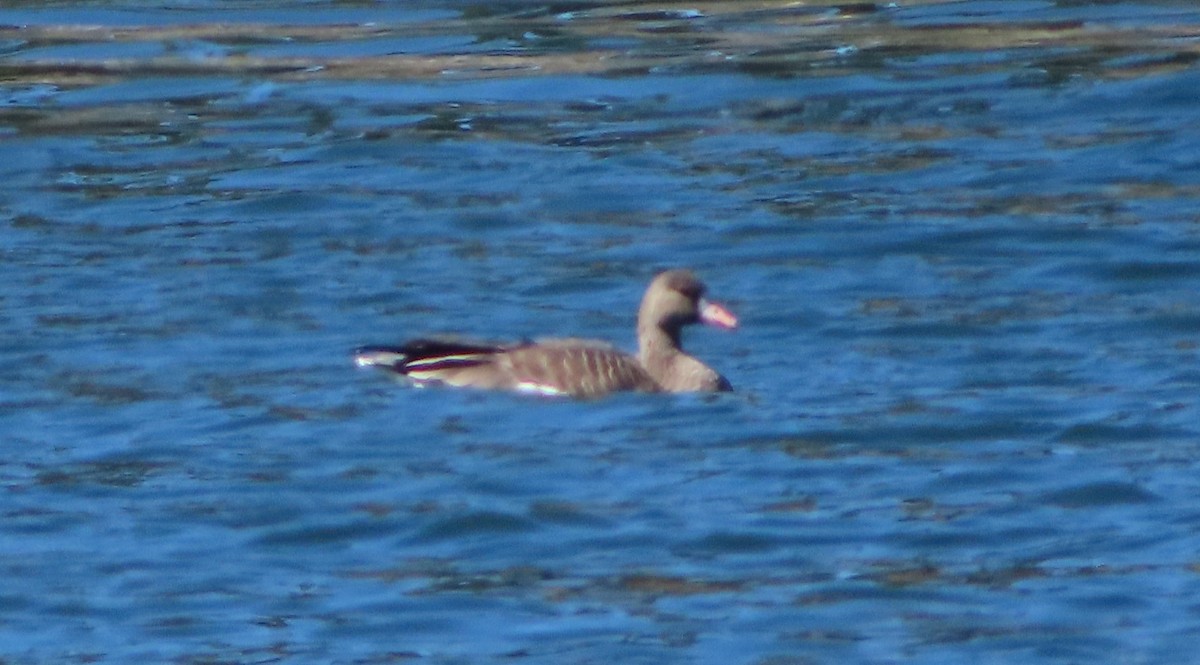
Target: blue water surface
pixel 962 239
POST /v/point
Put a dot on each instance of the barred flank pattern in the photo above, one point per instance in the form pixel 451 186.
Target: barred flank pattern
pixel 576 368
pixel 580 371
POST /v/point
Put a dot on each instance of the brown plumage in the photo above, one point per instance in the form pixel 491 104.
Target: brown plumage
pixel 580 368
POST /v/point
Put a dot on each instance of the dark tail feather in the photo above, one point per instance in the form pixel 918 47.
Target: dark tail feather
pixel 423 354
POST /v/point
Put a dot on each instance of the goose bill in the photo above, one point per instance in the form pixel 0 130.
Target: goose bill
pixel 715 315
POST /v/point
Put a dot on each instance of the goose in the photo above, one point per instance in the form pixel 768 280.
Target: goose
pixel 569 366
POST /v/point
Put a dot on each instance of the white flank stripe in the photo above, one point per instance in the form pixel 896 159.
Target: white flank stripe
pixel 417 364
pixel 529 387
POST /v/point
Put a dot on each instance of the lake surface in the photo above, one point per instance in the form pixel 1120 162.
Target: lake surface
pixel 963 239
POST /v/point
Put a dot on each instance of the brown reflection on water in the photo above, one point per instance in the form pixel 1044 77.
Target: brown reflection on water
pixel 762 38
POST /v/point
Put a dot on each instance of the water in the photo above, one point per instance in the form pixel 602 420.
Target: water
pixel 961 237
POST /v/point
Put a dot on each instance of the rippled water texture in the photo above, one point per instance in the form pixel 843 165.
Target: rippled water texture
pixel 962 238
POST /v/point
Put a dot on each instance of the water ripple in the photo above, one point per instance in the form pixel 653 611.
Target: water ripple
pixel 960 237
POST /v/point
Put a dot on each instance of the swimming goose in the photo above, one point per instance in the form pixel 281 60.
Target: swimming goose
pixel 575 367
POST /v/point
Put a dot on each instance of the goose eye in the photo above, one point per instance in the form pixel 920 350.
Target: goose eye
pixel 691 291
